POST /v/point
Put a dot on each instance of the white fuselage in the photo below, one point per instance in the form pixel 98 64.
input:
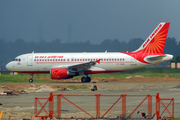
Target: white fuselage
pixel 110 62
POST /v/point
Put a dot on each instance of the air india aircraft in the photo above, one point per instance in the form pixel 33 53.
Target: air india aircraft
pixel 68 65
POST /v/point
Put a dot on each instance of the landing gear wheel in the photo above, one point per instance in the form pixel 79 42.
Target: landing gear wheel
pixel 88 79
pixel 83 79
pixel 30 80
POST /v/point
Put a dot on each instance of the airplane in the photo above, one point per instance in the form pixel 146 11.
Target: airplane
pixel 68 65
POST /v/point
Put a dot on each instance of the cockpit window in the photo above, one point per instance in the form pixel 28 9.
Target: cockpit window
pixel 17 59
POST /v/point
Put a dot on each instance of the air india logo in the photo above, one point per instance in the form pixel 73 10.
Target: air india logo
pixel 154 45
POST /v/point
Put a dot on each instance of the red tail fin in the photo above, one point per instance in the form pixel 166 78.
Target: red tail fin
pixel 154 44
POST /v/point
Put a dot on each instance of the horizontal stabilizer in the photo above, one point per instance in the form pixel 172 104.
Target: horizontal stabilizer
pixel 153 58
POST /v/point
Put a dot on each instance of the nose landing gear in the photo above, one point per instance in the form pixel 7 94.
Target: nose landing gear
pixel 31 79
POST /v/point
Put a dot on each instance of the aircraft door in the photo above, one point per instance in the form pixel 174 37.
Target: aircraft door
pixel 29 60
pixel 133 59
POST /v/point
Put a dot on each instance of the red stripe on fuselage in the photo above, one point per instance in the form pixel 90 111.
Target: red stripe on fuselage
pixel 85 72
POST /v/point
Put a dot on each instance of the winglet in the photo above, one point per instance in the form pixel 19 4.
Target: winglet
pixel 98 61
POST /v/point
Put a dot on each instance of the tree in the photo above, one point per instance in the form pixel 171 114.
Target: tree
pixel 177 59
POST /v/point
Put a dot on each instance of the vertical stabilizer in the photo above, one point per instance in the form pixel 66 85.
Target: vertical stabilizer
pixel 155 43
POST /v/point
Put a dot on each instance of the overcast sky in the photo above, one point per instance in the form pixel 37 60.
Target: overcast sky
pixel 93 20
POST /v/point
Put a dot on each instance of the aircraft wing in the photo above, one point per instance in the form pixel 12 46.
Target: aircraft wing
pixel 79 66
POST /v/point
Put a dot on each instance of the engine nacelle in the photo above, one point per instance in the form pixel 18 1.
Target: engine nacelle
pixel 60 73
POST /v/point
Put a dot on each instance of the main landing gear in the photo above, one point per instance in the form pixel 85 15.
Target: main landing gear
pixel 31 79
pixel 85 79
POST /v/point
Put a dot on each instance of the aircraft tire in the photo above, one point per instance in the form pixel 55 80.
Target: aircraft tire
pixel 30 80
pixel 88 79
pixel 83 79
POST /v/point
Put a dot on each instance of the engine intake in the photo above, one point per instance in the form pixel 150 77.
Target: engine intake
pixel 60 73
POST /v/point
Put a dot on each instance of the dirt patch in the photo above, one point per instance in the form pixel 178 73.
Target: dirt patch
pixel 45 88
pixel 15 87
pixel 1 90
pixel 38 88
pixel 137 78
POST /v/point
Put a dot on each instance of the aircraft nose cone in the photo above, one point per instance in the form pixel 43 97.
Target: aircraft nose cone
pixel 8 66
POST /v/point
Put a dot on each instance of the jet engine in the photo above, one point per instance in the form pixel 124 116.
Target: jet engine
pixel 60 73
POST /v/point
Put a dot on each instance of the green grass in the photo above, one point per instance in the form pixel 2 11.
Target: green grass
pixel 146 72
pixel 77 87
pixel 175 119
pixel 23 78
pixel 72 87
pixel 84 88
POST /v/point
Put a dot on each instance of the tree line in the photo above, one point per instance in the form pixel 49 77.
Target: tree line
pixel 10 49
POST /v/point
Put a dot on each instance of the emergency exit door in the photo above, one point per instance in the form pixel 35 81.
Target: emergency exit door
pixel 29 60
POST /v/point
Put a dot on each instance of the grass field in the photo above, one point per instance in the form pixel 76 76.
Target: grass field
pixel 147 72
pixel 175 119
